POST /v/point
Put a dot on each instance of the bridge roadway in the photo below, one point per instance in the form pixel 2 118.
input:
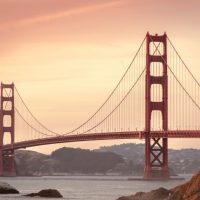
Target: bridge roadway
pixel 103 136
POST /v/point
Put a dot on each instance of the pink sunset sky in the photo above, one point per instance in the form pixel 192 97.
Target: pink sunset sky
pixel 66 56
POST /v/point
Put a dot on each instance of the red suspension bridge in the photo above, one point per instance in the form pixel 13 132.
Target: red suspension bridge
pixel 156 99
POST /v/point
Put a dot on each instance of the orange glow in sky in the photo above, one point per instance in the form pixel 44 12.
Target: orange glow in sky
pixel 65 57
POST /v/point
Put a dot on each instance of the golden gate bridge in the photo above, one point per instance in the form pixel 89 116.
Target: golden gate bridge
pixel 157 98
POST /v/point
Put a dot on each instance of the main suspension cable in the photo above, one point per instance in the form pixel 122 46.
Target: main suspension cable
pixel 177 79
pixel 34 116
pixel 111 92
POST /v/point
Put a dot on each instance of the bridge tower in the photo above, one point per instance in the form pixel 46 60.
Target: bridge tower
pixel 156 149
pixel 7 121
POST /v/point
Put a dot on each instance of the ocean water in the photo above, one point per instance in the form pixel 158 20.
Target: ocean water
pixel 85 187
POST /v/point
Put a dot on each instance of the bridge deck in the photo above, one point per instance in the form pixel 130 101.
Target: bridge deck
pixel 104 136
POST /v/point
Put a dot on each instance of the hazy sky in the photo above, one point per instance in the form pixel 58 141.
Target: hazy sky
pixel 66 56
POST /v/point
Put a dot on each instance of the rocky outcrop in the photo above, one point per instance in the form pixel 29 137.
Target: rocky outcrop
pixel 158 194
pixel 5 188
pixel 188 191
pixel 46 193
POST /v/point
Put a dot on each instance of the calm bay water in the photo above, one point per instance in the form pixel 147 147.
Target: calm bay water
pixel 85 187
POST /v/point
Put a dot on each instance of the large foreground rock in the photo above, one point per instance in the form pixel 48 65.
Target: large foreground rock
pixel 188 191
pixel 46 193
pixel 5 188
pixel 158 194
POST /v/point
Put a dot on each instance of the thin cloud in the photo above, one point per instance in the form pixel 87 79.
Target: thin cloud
pixel 62 14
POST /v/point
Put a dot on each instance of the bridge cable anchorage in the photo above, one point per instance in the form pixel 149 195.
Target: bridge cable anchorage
pixel 55 133
pixel 191 98
pixel 111 94
pixel 26 121
pixel 117 105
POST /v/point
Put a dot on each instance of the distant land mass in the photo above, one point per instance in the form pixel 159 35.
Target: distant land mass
pixel 125 159
pixel 67 161
pixel 180 161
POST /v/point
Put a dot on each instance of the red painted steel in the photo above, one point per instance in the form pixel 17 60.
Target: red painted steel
pixel 156 149
pixel 7 157
pixel 76 138
pixel 103 136
pixel 156 142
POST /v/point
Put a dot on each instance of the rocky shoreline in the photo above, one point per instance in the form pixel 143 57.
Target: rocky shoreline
pixel 188 191
pixel 5 188
pixel 46 193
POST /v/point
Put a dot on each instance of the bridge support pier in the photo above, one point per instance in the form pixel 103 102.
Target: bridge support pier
pixel 156 149
pixel 8 163
pixel 7 121
pixel 156 158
